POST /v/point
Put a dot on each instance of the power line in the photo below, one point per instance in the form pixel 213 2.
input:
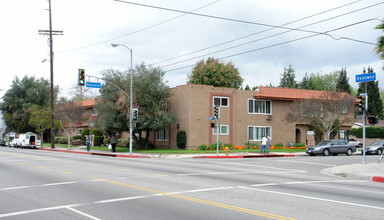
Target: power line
pixel 279 44
pixel 274 35
pixel 137 31
pixel 259 32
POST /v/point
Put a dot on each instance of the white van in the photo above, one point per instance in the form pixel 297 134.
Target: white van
pixel 28 140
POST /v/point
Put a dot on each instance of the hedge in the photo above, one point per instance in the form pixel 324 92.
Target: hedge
pixel 370 132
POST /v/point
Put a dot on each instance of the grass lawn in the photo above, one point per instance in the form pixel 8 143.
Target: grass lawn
pixel 177 151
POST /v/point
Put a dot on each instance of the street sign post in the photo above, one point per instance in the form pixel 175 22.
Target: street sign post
pixel 366 77
pixel 93 85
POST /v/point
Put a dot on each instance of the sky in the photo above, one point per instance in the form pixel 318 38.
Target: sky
pixel 260 37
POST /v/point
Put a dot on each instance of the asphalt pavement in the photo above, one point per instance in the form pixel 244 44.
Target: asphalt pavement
pixel 369 171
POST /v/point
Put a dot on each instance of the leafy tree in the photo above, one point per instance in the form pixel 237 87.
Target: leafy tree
pixel 375 105
pixel 307 82
pixel 20 97
pixel 216 73
pixel 40 119
pixel 70 115
pixel 343 82
pixel 324 113
pixel 379 49
pixel 247 87
pixel 287 79
pixel 150 95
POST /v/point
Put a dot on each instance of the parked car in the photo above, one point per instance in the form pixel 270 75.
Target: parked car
pixel 376 147
pixel 355 142
pixel 13 143
pixel 333 147
pixel 2 142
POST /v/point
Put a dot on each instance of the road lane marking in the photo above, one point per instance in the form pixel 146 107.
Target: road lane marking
pixel 308 182
pixel 125 169
pixel 40 167
pixel 159 174
pixel 313 198
pixel 65 172
pixel 43 185
pixel 240 172
pixel 254 165
pixel 83 213
pixel 201 201
pixel 295 161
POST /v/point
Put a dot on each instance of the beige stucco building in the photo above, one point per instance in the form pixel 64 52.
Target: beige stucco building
pixel 244 115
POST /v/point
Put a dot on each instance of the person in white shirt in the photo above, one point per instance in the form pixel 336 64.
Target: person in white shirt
pixel 263 144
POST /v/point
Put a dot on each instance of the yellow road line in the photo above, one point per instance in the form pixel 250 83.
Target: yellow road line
pixel 125 169
pixel 216 204
pixel 158 174
pixel 65 172
pixel 41 167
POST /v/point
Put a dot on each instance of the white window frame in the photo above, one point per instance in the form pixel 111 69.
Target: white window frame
pixel 259 127
pixel 221 130
pixel 162 135
pixel 221 101
pixel 262 104
pixel 79 130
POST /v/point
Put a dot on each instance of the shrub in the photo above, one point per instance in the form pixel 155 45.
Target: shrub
pixel 98 141
pixel 56 140
pixel 202 147
pixel 181 139
pixel 279 145
pixel 96 132
pixel 76 137
pixel 122 143
pixel 76 142
pixel 249 145
pixel 106 141
pixel 230 146
pixel 84 132
pixel 299 145
pixel 370 132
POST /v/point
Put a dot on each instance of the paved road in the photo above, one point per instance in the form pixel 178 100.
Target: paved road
pixel 54 185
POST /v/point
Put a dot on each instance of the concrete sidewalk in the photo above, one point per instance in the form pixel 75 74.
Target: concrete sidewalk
pixel 371 171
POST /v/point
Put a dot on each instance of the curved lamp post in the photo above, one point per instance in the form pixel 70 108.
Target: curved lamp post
pixel 130 104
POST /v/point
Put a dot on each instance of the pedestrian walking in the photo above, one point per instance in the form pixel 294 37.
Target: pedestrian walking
pixel 88 142
pixel 263 144
pixel 268 143
pixel 113 142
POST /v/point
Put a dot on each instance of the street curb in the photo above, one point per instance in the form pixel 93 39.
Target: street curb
pixel 96 153
pixel 378 179
pixel 243 156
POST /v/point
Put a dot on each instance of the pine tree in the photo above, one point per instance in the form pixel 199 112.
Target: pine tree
pixel 343 82
pixel 287 79
pixel 375 105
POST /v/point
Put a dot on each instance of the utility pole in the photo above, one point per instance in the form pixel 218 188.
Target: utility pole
pixel 50 42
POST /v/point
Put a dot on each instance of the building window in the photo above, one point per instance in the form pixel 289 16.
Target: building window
pixel 79 130
pixel 255 133
pixel 162 135
pixel 220 101
pixel 94 111
pixel 256 106
pixel 224 129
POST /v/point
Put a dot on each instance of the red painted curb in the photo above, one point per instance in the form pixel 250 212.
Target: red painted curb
pixel 65 151
pixel 244 156
pixel 132 156
pixel 378 179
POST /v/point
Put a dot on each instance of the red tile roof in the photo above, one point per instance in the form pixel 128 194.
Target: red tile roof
pixel 275 93
pixel 90 103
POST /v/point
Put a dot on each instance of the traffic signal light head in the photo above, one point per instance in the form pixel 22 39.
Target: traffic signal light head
pixel 81 77
pixel 135 113
pixel 362 102
pixel 373 120
pixel 217 111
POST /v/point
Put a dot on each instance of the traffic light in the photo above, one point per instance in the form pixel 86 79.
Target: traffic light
pixel 81 77
pixel 135 113
pixel 362 102
pixel 217 111
pixel 373 120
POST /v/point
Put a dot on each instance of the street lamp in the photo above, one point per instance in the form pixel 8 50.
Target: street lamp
pixel 130 104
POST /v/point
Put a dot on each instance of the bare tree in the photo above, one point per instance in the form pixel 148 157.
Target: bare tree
pixel 324 113
pixel 70 114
